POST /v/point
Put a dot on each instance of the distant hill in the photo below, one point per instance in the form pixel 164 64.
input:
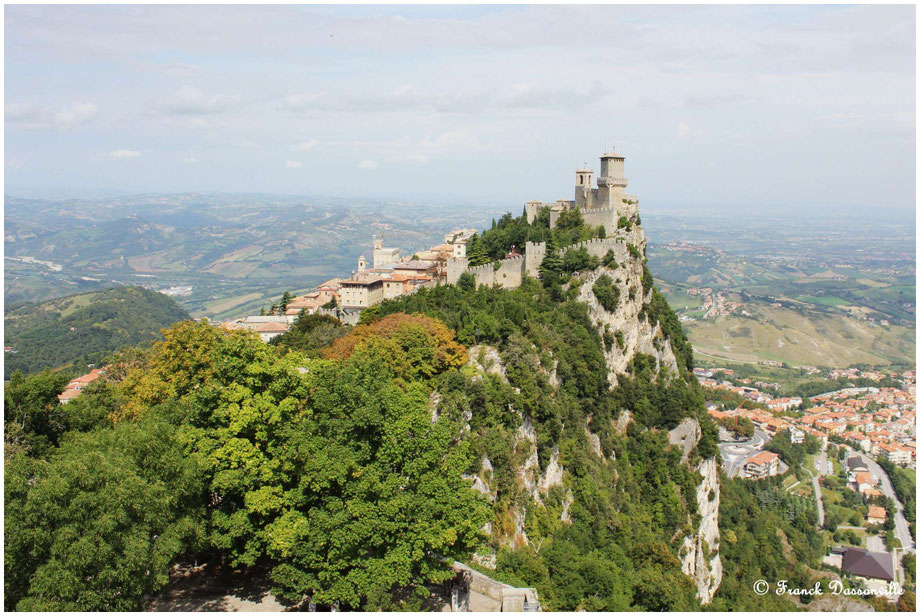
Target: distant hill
pixel 83 328
pixel 241 251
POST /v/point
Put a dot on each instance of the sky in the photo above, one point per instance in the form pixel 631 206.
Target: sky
pixel 753 108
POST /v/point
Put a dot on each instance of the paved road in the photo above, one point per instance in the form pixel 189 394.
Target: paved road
pixel 822 464
pixel 814 484
pixel 901 530
pixel 735 454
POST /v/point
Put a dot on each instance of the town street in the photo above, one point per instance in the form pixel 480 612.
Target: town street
pixel 822 464
pixel 902 531
pixel 814 483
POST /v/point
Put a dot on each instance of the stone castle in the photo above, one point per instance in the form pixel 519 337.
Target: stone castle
pixel 603 205
pixel 388 274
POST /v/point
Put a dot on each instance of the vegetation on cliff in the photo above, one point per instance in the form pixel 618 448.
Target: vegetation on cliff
pixel 632 500
pixel 510 232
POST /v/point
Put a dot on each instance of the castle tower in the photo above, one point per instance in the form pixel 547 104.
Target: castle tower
pixel 362 263
pixel 611 185
pixel 584 188
pixel 532 208
pixel 384 256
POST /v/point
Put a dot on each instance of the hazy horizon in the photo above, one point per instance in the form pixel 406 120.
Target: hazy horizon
pixel 757 109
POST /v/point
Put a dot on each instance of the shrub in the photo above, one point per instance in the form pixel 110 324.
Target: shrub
pixel 610 260
pixel 607 293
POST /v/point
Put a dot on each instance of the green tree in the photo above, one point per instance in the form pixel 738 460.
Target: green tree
pixel 476 252
pixel 33 417
pixel 285 300
pixel 311 332
pixel 96 526
pixel 606 292
pixel 381 495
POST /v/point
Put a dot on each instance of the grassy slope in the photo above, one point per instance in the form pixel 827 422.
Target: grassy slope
pixel 811 339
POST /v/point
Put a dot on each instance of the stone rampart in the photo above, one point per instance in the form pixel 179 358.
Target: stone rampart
pixel 598 247
pixel 606 217
pixel 484 594
pixel 510 272
pixel 455 267
pixel 534 253
pixel 508 275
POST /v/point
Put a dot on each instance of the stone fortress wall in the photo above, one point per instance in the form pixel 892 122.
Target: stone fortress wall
pixel 595 218
pixel 509 273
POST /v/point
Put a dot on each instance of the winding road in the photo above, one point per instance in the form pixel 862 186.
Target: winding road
pixel 901 529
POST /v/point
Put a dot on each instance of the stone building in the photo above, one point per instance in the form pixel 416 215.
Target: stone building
pixel 600 205
pixel 384 256
pixel 361 292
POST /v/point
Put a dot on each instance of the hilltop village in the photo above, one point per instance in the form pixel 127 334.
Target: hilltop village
pixel 390 274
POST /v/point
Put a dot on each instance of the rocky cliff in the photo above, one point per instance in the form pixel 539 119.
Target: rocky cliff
pixel 542 483
pixel 699 553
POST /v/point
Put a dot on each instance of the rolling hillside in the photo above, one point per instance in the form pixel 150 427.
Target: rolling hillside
pixel 801 338
pixel 222 246
pixel 81 329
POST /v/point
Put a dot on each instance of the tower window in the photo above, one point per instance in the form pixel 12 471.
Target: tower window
pixel 581 179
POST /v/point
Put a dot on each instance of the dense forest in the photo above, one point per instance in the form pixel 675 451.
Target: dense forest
pixel 340 459
pixel 72 332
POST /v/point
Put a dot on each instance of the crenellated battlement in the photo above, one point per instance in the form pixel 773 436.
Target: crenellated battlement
pixel 509 273
pixel 602 204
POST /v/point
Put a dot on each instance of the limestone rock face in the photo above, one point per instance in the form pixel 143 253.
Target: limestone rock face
pixel 487 359
pixel 638 335
pixel 569 499
pixel 594 444
pixel 700 558
pixel 481 481
pixel 553 474
pixel 685 437
pixel 622 422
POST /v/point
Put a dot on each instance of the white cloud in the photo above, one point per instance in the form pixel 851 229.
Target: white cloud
pixel 452 139
pixel 367 164
pixel 293 164
pixel 411 158
pixel 299 101
pixel 190 100
pixel 28 115
pixel 123 154
pixel 683 130
pixel 190 160
pixel 305 145
pixel 76 113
